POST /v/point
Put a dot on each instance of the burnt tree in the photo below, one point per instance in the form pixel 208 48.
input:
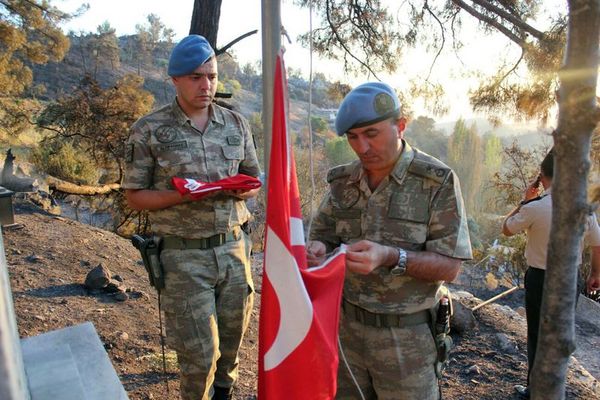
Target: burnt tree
pixel 205 20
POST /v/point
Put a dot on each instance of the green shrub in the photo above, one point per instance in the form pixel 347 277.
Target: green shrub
pixel 338 151
pixel 64 161
pixel 319 124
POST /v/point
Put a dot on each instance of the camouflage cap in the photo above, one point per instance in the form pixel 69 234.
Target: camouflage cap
pixel 366 104
pixel 189 54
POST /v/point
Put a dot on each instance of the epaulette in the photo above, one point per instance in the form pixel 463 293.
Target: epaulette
pixel 339 172
pixel 428 167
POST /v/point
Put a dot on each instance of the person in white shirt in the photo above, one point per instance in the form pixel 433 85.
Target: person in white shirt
pixel 534 216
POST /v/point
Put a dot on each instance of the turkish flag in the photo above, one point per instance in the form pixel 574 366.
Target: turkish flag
pixel 198 189
pixel 300 306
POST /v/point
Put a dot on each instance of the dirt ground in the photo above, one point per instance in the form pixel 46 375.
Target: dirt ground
pixel 49 257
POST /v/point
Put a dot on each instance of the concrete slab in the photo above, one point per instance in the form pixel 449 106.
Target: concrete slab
pixel 74 358
pixel 46 383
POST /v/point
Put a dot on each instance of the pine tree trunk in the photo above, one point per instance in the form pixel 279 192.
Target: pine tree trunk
pixel 578 115
pixel 205 20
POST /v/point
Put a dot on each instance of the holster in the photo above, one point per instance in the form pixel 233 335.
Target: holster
pixel 440 328
pixel 150 248
pixel 246 228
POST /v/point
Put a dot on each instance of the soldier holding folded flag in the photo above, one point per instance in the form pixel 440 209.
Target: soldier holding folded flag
pixel 205 255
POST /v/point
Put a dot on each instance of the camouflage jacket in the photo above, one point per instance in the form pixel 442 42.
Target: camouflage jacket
pixel 164 144
pixel 417 207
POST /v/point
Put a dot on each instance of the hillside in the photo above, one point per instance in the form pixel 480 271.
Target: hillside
pixel 48 258
pixel 63 78
pixel 527 135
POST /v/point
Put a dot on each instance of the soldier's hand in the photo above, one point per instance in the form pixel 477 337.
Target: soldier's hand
pixel 315 253
pixel 364 256
pixel 593 284
pixel 533 190
pixel 243 194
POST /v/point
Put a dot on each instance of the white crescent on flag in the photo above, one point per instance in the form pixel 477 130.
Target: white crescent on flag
pixel 294 304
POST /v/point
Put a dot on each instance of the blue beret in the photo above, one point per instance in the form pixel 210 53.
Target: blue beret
pixel 189 54
pixel 365 105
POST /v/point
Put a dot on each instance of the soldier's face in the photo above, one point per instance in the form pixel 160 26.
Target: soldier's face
pixel 377 146
pixel 197 90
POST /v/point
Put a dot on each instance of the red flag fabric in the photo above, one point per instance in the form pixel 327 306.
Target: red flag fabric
pixel 298 353
pixel 198 189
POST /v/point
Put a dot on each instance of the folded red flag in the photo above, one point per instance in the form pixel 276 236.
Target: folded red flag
pixel 198 189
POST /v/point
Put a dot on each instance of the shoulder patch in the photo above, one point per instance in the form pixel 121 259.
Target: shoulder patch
pixel 338 172
pixel 165 133
pixel 429 167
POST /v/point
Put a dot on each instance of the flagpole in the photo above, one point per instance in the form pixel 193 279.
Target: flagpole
pixel 271 42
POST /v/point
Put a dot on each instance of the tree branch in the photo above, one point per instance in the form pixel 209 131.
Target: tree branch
pixel 511 18
pixel 514 66
pixel 490 21
pixel 426 7
pixel 341 42
pixel 86 190
pixel 234 41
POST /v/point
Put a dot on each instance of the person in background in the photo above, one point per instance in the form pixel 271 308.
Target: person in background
pixel 534 216
pixel 401 213
pixel 208 294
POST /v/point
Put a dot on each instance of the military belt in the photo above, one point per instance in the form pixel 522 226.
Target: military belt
pixel 384 320
pixel 179 243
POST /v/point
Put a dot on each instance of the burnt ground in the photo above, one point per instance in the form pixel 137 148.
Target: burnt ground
pixel 49 257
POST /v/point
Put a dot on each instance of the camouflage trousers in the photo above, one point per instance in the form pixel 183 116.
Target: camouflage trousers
pixel 387 363
pixel 207 302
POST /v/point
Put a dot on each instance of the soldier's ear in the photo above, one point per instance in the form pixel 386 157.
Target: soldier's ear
pixel 401 125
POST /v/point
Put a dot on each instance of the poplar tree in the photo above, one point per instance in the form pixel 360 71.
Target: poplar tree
pixel 465 152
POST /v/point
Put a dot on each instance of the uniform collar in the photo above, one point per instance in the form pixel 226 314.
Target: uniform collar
pixel 401 167
pixel 215 114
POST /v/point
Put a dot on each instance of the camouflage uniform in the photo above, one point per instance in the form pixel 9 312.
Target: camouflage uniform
pixel 209 292
pixel 417 207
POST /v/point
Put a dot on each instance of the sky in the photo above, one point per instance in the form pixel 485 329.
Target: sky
pixel 241 16
pixel 237 18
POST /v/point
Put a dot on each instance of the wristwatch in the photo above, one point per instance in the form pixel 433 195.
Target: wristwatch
pixel 400 268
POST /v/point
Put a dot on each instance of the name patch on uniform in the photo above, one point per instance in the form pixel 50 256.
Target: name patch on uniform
pixel 233 140
pixel 173 146
pixel 165 133
pixel 129 153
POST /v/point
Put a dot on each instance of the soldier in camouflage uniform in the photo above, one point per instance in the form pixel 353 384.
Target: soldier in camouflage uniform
pixel 208 293
pixel 402 215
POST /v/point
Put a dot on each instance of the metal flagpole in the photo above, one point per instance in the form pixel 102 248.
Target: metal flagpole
pixel 271 42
